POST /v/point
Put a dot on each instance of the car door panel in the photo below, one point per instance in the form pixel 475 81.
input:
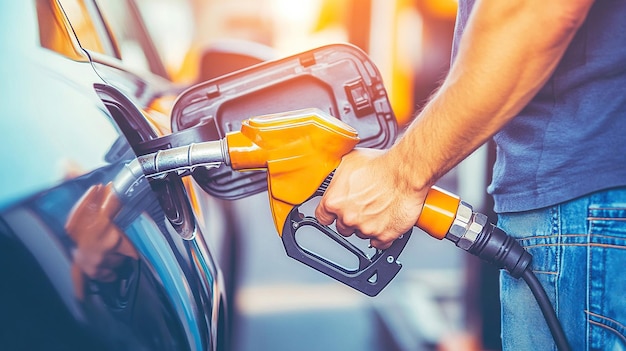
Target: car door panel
pixel 83 267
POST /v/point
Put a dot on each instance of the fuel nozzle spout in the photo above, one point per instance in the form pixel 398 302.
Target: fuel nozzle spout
pixel 445 216
pixel 181 160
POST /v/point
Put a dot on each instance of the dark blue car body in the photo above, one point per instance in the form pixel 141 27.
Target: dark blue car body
pixel 158 285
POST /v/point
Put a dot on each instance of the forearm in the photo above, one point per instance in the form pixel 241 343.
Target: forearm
pixel 508 52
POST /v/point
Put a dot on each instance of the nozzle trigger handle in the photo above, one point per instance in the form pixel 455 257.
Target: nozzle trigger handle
pixel 373 273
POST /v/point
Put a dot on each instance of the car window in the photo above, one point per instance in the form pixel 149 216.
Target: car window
pixel 136 47
pixel 55 32
pixel 120 22
pixel 90 33
pixel 170 24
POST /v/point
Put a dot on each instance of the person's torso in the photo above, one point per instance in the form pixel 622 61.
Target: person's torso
pixel 570 140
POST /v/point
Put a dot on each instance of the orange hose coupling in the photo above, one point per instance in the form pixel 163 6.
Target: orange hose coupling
pixel 439 212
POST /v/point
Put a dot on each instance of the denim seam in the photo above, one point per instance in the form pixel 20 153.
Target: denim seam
pixel 611 246
pixel 545 272
pixel 591 235
pixel 606 323
pixel 552 236
pixel 607 208
pixel 618 219
pixel 590 264
pixel 599 316
pixel 549 236
pixel 556 230
pixel 604 326
pixel 588 287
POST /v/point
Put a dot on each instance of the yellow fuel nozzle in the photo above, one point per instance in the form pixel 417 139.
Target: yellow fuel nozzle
pixel 299 149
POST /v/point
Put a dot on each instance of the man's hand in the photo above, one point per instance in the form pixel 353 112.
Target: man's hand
pixel 370 198
pixel 508 51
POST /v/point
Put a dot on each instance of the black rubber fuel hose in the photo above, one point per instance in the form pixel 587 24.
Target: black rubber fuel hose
pixel 496 247
pixel 546 308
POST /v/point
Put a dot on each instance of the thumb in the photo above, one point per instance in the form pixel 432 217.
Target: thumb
pixel 323 215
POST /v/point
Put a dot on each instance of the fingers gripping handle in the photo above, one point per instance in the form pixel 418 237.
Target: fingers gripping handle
pixel 373 273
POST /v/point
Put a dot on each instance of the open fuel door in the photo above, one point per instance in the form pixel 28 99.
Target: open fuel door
pixel 336 80
pixel 339 79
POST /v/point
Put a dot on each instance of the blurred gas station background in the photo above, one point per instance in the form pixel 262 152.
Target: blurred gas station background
pixel 442 299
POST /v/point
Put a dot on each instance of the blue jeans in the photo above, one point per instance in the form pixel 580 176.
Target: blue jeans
pixel 579 256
